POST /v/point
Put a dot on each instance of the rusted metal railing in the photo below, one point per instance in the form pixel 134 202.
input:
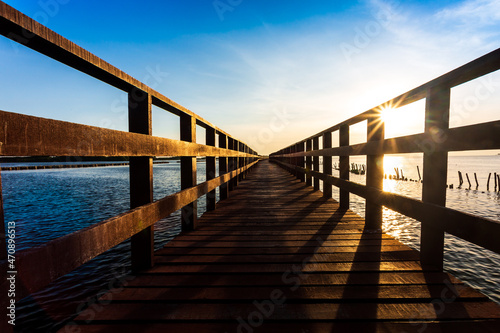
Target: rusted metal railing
pixel 435 143
pixel 22 135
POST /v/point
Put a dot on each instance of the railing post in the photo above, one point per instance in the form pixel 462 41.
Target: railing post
pixel 188 172
pixel 437 115
pixel 327 164
pixel 241 161
pixel 308 163
pixel 374 171
pixel 295 150
pixel 223 165
pixel 141 179
pixel 344 166
pixel 316 162
pixel 210 167
pixel 302 162
pixel 232 162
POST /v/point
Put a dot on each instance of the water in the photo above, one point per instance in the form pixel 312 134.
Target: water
pixel 47 204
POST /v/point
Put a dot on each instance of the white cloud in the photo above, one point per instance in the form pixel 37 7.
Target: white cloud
pixel 473 13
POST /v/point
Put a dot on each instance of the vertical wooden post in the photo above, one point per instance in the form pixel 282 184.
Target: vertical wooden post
pixel 141 179
pixel 316 163
pixel 210 167
pixel 344 166
pixel 327 164
pixel 223 168
pixel 296 160
pixel 374 171
pixel 437 115
pixel 302 161
pixel 308 163
pixel 232 161
pixel 189 213
pixel 241 161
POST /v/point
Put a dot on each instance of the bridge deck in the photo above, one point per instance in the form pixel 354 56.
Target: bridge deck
pixel 278 257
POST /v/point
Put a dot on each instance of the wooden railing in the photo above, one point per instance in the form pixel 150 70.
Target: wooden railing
pixel 22 135
pixel 302 159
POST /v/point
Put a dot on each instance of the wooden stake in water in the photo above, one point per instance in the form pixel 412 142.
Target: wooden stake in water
pixel 495 178
pixel 419 178
pixel 488 183
pixel 475 177
pixel 460 179
pixel 467 175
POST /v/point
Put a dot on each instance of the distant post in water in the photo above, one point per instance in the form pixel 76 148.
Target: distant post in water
pixel 188 172
pixel 141 178
pixel 437 115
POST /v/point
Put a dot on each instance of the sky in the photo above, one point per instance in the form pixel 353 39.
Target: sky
pixel 268 72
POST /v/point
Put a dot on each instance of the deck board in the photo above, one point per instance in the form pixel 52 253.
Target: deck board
pixel 278 257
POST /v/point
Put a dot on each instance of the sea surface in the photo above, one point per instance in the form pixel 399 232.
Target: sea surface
pixel 46 204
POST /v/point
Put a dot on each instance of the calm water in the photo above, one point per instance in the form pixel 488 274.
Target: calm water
pixel 47 204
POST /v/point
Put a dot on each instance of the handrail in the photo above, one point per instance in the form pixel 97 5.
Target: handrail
pixel 302 159
pixel 22 135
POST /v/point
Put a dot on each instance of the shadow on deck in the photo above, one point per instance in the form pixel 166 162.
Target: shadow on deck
pixel 278 257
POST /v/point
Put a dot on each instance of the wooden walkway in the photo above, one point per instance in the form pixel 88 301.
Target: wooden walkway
pixel 278 257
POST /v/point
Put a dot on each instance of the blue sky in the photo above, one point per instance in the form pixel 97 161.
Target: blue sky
pixel 268 72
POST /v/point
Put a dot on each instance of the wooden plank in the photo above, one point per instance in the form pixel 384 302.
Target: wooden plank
pixel 295 327
pixel 276 280
pixel 304 312
pixel 280 268
pixel 332 294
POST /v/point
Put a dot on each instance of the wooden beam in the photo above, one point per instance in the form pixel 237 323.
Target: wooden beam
pixel 374 172
pixel 315 141
pixel 327 164
pixel 26 31
pixel 22 135
pixel 210 168
pixel 308 163
pixel 223 168
pixel 344 166
pixel 189 214
pixel 437 115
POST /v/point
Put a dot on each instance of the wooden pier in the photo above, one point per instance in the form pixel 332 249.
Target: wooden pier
pixel 279 257
pixel 274 254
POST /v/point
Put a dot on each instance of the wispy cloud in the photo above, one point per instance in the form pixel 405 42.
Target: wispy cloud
pixel 473 13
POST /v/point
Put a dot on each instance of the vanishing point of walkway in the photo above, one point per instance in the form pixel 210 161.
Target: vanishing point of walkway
pixel 278 257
